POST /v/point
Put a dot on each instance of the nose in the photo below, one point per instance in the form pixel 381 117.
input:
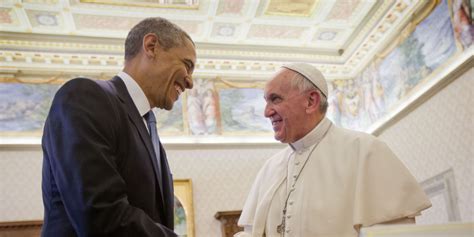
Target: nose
pixel 269 111
pixel 188 82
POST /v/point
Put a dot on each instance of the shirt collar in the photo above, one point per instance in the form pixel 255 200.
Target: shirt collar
pixel 137 94
pixel 313 136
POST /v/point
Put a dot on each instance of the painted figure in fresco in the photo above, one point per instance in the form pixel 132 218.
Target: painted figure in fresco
pixel 373 93
pixel 334 99
pixel 463 27
pixel 329 181
pixel 202 108
pixel 210 110
pixel 196 116
pixel 351 103
pixel 105 172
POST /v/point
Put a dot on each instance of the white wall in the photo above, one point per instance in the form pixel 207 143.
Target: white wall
pixel 436 136
pixel 221 177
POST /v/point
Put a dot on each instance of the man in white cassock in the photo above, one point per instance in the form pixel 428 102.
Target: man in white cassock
pixel 329 181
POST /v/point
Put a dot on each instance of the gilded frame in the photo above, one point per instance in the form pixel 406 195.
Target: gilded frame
pixel 184 193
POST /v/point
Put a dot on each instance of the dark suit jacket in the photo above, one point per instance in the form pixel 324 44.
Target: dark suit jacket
pixel 99 166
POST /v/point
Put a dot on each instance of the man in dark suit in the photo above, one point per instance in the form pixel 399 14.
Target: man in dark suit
pixel 105 172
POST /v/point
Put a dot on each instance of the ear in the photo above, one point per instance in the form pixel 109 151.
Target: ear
pixel 313 101
pixel 150 44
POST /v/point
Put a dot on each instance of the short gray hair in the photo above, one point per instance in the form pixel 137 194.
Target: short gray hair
pixel 303 84
pixel 169 35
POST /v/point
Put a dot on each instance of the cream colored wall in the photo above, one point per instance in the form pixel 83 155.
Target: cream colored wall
pixel 436 136
pixel 221 177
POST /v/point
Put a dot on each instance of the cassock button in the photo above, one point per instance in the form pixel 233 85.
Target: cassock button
pixel 289 216
pixel 291 203
pixel 297 163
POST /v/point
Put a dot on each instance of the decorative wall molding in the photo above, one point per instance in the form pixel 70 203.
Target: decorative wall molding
pixel 444 184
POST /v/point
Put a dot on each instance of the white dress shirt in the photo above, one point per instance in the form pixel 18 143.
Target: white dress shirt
pixel 137 94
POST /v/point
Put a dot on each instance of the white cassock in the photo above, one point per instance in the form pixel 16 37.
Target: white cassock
pixel 344 179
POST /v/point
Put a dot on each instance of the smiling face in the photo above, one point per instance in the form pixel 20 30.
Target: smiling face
pixel 286 108
pixel 170 74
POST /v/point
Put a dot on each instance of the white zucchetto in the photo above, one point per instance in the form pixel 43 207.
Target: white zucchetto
pixel 311 73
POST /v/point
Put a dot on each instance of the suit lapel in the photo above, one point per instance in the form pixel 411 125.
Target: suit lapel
pixel 168 190
pixel 137 121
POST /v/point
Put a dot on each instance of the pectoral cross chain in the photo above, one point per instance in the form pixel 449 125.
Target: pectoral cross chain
pixel 281 227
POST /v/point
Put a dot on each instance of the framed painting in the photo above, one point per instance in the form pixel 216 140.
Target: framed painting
pixel 183 208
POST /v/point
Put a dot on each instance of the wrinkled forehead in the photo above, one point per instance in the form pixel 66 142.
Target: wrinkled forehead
pixel 280 82
pixel 281 77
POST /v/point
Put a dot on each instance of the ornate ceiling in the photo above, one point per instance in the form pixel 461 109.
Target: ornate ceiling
pixel 234 38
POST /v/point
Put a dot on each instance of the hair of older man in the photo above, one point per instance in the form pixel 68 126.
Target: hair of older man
pixel 169 35
pixel 303 84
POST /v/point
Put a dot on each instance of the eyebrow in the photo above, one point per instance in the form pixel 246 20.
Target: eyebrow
pixel 271 95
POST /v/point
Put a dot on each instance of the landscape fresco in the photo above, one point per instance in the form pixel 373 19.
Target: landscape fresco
pixel 242 111
pixel 170 122
pixel 24 107
pixel 385 83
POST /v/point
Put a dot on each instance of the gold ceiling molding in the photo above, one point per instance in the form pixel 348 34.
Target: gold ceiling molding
pixel 417 17
pixel 425 11
pixel 370 35
pixel 41 45
pixel 184 5
pixel 366 52
pixel 240 84
pixel 112 62
pixel 57 79
pixel 354 52
pixel 63 60
pixel 48 77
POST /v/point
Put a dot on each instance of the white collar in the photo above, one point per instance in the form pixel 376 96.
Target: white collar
pixel 137 94
pixel 313 136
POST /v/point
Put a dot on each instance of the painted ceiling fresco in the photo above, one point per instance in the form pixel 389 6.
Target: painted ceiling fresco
pixel 338 36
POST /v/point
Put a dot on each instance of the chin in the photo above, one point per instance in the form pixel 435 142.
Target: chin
pixel 279 139
pixel 169 107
